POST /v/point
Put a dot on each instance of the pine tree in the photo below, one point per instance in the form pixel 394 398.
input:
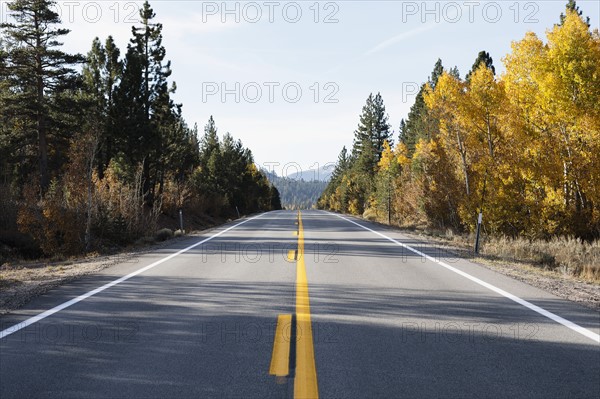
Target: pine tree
pixel 143 101
pixel 454 72
pixel 94 98
pixel 155 93
pixel 92 76
pixel 210 158
pixel 572 6
pixel 382 132
pixel 38 72
pixel 365 127
pixel 112 75
pixel 419 124
pixel 275 200
pixel 342 165
pixel 482 58
pixel 210 141
pixel 5 150
pixel 127 118
pixel 373 129
pixel 180 150
pixel 438 70
pixel 402 130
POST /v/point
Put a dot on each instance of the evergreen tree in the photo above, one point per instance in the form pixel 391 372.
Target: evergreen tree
pixel 482 58
pixel 113 69
pixel 94 98
pixel 382 132
pixel 209 142
pixel 275 199
pixel 454 72
pixel 342 165
pixel 365 128
pixel 373 130
pixel 415 125
pixel 210 159
pixel 127 117
pixel 438 70
pixel 92 77
pixel 180 150
pixel 572 6
pixel 39 72
pixel 155 92
pixel 5 147
pixel 143 101
pixel 101 75
pixel 420 124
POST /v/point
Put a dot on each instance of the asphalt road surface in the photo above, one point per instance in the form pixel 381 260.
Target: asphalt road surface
pixel 277 307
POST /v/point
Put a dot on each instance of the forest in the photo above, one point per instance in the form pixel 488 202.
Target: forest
pixel 520 147
pixel 297 193
pixel 95 153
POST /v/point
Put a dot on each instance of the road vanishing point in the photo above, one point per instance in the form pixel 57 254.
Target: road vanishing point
pixel 299 305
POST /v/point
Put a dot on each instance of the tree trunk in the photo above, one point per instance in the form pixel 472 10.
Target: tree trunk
pixel 43 153
pixel 90 200
pixel 41 117
pixel 463 156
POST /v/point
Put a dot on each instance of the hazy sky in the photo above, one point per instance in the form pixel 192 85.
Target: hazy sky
pixel 290 78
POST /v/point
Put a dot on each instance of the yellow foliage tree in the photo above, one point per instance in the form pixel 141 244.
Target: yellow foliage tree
pixel 554 92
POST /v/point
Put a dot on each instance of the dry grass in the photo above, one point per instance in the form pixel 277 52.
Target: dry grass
pixel 568 256
pixel 370 214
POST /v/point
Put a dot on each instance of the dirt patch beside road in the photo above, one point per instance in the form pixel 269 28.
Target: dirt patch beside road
pixel 20 283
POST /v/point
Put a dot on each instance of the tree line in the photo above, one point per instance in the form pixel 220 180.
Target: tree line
pixel 297 193
pixel 521 147
pixel 93 149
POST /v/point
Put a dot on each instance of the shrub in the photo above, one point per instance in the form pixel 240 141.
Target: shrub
pixel 164 234
pixel 370 214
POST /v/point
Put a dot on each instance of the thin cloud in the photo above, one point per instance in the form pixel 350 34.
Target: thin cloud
pixel 398 38
pixel 383 45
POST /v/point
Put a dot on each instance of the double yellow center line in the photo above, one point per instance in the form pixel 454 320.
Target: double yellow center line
pixel 305 378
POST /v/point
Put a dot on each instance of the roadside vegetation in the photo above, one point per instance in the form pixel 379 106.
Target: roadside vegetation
pixel 521 148
pixel 564 256
pixel 95 153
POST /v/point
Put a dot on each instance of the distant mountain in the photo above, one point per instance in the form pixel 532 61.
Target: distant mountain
pixel 321 174
pixel 297 193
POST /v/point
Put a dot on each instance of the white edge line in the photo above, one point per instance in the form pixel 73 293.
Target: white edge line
pixel 575 327
pixel 50 312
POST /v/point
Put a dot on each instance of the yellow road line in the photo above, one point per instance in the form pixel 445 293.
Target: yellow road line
pixel 292 255
pixel 305 375
pixel 280 360
pixel 305 381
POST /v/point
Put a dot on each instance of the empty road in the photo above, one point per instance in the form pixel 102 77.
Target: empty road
pixel 282 306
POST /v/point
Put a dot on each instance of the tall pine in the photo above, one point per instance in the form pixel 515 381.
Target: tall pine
pixel 420 125
pixel 143 101
pixel 38 73
pixel 372 131
pixel 101 75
